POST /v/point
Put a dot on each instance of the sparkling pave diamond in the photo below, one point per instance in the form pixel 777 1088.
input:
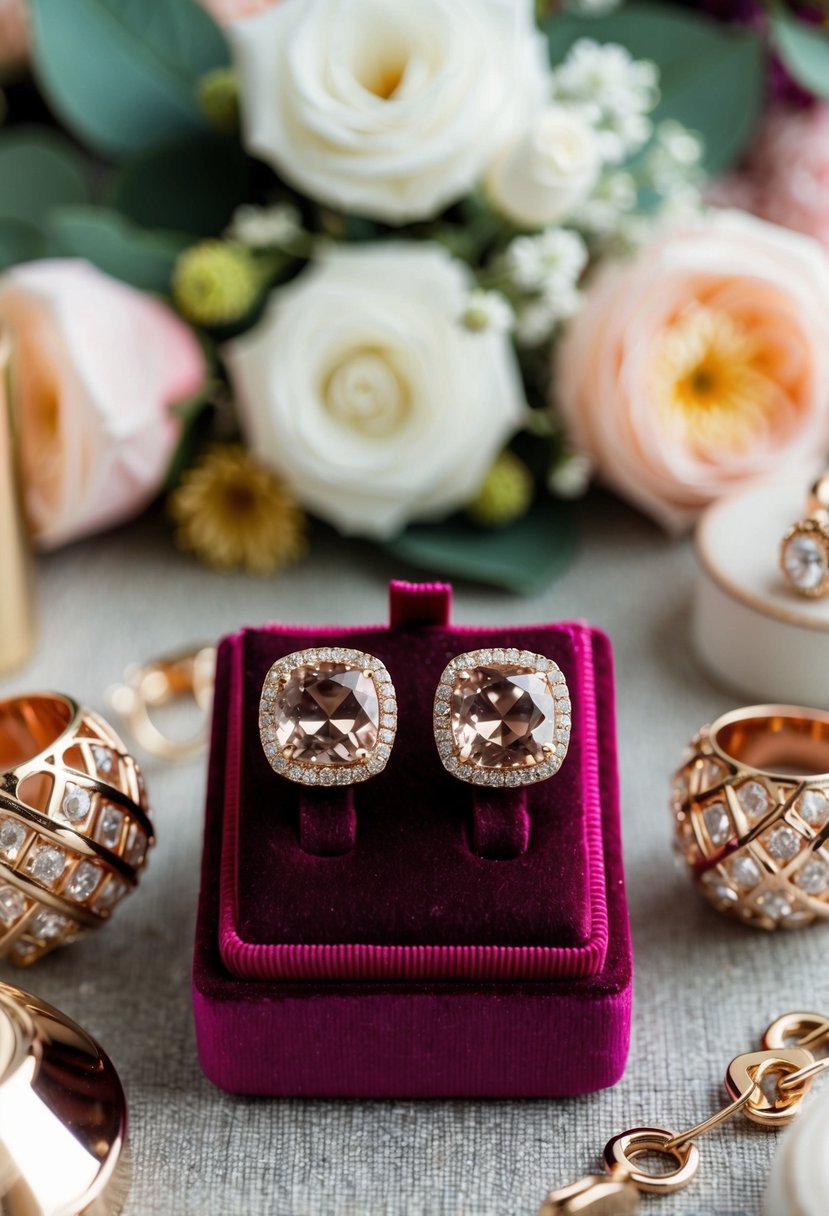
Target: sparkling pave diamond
pixel 84 881
pixel 813 806
pixel 776 905
pixel 47 925
pixel 745 871
pixel 783 843
pixel 114 890
pixel 104 760
pixel 327 713
pixel 805 560
pixel 12 905
pixel 12 836
pixel 503 718
pixel 717 823
pixel 814 877
pixel 76 804
pixel 109 827
pixel 754 799
pixel 47 864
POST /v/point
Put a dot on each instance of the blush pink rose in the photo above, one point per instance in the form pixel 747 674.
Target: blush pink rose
pixel 97 365
pixel 786 177
pixel 701 365
pixel 225 12
pixel 14 33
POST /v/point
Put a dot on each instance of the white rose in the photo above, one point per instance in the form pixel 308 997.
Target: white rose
pixel 363 389
pixel 387 108
pixel 544 175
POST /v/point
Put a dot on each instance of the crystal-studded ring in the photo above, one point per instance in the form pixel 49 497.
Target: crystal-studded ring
pixel 74 824
pixel 328 716
pixel 751 809
pixel 502 717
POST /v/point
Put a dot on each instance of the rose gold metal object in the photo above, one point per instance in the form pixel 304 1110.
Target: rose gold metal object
pixel 148 687
pixel 16 610
pixel 751 810
pixel 74 823
pixel 804 547
pixel 62 1115
pixel 767 1086
pixel 502 717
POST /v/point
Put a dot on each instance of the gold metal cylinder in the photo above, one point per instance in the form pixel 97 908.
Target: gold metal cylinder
pixel 16 601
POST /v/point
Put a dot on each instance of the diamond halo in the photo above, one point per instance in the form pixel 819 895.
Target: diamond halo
pixel 554 727
pixel 378 708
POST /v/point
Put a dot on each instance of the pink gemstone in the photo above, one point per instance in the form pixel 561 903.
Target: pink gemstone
pixel 503 717
pixel 327 713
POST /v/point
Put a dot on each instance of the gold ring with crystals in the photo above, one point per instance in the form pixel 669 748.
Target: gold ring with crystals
pixel 751 809
pixel 74 825
pixel 62 1115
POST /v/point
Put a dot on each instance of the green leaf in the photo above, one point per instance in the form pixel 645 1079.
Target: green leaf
pixel 19 242
pixel 39 169
pixel 524 557
pixel 122 74
pixel 804 50
pixel 191 187
pixel 116 246
pixel 711 75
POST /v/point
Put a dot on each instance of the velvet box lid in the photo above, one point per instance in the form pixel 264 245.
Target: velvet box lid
pixel 494 910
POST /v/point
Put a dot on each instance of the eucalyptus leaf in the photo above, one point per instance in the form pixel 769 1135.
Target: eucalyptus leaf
pixel 39 169
pixel 116 246
pixel 19 242
pixel 191 187
pixel 122 74
pixel 523 558
pixel 804 49
pixel 711 75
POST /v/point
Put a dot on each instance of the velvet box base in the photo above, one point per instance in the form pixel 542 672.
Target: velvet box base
pixel 525 988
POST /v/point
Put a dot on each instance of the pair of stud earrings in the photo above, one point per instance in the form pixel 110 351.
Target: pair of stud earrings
pixel 501 717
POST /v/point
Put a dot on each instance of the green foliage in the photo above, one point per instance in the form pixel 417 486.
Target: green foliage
pixel 804 50
pixel 39 169
pixel 115 245
pixel 19 242
pixel 711 75
pixel 123 74
pixel 523 558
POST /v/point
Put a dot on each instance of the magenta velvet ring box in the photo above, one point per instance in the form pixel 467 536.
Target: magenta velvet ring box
pixel 414 935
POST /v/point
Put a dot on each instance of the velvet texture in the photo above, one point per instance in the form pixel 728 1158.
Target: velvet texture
pixel 391 966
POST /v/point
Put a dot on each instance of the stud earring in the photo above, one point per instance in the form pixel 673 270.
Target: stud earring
pixel 328 716
pixel 502 717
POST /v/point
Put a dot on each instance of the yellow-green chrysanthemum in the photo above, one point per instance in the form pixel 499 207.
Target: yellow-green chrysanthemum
pixel 506 494
pixel 215 282
pixel 218 98
pixel 235 514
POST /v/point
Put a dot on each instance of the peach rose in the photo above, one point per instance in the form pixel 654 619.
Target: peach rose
pixel 97 366
pixel 225 12
pixel 701 365
pixel 14 34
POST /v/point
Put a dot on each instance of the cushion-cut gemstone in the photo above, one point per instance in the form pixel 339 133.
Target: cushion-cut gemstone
pixel 326 713
pixel 503 717
pixel 717 823
pixel 805 561
pixel 12 836
pixel 814 807
pixel 12 905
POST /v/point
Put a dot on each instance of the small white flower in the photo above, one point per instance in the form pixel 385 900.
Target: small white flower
pixel 535 323
pixel 609 205
pixel 674 160
pixel 618 91
pixel 487 311
pixel 570 477
pixel 593 8
pixel 265 227
pixel 553 258
pixel 564 300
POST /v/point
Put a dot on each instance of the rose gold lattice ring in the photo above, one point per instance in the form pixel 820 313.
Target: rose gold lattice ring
pixel 74 825
pixel 751 808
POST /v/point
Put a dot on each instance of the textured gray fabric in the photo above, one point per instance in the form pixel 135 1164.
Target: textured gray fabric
pixel 704 988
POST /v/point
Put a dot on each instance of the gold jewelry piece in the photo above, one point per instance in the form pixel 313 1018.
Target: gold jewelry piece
pixel 62 1115
pixel 74 825
pixel 804 549
pixel 751 807
pixel 502 717
pixel 328 716
pixel 767 1086
pixel 151 686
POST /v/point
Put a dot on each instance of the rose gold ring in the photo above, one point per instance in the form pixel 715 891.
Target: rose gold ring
pixel 751 808
pixel 74 825
pixel 804 549
pixel 502 717
pixel 328 716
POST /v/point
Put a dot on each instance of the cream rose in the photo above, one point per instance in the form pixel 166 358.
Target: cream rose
pixel 97 366
pixel 701 365
pixel 544 175
pixel 387 108
pixel 363 389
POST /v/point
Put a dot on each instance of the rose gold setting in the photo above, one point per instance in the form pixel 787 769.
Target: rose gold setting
pixel 751 811
pixel 815 534
pixel 74 824
pixel 365 699
pixel 532 747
